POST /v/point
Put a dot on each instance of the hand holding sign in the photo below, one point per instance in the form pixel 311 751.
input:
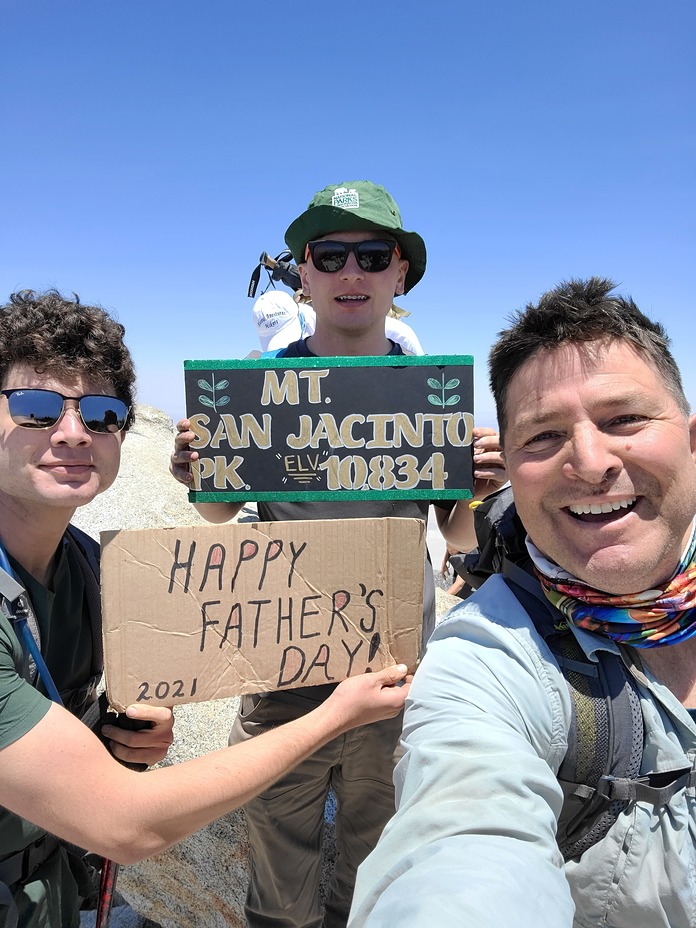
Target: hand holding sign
pixel 195 613
pixel 370 697
pixel 327 428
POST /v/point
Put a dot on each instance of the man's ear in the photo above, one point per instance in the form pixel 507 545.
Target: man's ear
pixel 401 279
pixel 302 268
pixel 692 435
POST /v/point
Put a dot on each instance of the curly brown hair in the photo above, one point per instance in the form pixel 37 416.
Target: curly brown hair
pixel 63 337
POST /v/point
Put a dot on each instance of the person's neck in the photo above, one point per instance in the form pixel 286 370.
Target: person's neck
pixel 31 534
pixel 341 344
pixel 675 666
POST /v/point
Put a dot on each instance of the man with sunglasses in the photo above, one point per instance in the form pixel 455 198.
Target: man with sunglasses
pixel 65 405
pixel 66 397
pixel 353 257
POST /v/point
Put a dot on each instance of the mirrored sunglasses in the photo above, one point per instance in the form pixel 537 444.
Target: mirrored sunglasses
pixel 42 409
pixel 372 255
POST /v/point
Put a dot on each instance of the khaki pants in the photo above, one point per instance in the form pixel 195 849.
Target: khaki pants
pixel 286 822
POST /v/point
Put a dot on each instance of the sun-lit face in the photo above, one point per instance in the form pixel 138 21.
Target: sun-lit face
pixel 63 466
pixel 352 301
pixel 601 462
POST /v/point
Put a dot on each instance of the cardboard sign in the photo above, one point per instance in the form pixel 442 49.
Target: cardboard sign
pixel 204 612
pixel 331 428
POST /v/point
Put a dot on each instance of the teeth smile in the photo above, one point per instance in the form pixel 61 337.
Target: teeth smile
pixel 350 299
pixel 582 509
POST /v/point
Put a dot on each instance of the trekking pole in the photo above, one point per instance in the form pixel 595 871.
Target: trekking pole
pixel 19 608
pixel 107 886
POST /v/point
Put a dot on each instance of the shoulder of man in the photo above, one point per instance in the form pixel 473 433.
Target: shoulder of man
pixel 87 546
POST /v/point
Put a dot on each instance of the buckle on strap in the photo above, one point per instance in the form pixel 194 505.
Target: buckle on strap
pixel 655 788
pixel 19 867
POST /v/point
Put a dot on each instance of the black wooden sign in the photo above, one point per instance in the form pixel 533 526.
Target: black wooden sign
pixel 331 428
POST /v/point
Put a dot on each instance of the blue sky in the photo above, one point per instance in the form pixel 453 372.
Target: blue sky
pixel 153 148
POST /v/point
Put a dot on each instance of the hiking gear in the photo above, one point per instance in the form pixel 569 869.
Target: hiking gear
pixel 605 740
pixel 77 701
pixel 372 255
pixel 500 536
pixel 356 206
pixel 107 886
pixel 643 620
pixel 600 772
pixel 279 268
pixel 18 609
pixel 279 320
pixel 42 409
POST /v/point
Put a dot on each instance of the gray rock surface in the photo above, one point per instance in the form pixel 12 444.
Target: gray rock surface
pixel 201 882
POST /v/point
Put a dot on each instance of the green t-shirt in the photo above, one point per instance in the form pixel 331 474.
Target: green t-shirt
pixel 66 645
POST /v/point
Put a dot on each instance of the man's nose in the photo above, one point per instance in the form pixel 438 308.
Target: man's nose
pixel 593 455
pixel 70 428
pixel 351 269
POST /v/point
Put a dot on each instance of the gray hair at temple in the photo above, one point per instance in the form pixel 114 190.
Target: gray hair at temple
pixel 578 311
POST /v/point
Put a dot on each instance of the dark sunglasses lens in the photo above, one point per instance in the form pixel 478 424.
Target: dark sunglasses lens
pixel 103 413
pixel 374 256
pixel 35 409
pixel 329 256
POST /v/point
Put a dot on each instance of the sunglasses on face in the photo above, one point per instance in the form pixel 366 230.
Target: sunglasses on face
pixel 372 255
pixel 42 409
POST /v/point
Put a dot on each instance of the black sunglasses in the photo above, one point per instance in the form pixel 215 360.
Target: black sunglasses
pixel 372 255
pixel 42 409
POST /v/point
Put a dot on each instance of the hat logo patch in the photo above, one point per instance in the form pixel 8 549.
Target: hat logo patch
pixel 344 198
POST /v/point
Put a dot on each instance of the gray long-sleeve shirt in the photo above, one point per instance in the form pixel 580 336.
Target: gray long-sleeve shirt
pixel 473 840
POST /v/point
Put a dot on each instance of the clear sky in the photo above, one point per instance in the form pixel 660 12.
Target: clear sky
pixel 153 148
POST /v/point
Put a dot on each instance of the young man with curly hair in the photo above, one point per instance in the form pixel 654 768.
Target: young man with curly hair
pixel 66 404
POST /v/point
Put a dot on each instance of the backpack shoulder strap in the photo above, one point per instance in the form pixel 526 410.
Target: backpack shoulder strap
pixel 605 738
pixel 500 536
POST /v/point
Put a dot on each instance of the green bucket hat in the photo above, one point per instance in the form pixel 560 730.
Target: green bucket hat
pixel 356 205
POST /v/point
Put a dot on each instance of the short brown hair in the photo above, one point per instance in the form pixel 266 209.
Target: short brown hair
pixel 578 311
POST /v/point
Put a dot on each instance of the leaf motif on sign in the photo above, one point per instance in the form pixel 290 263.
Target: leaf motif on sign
pixel 204 385
pixel 442 387
pixel 206 401
pixel 222 384
pixel 224 400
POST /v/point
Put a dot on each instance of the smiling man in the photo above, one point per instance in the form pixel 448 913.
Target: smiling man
pixel 354 257
pixel 65 406
pixel 600 450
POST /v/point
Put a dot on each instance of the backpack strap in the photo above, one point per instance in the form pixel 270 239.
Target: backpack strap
pixel 16 605
pixel 500 537
pixel 600 773
pixel 23 618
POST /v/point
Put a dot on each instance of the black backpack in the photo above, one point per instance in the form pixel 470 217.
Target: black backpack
pixel 600 774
